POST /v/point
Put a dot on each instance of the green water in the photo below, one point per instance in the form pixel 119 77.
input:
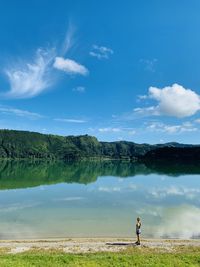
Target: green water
pixel 87 199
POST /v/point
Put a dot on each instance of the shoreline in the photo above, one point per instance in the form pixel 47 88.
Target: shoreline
pixel 94 245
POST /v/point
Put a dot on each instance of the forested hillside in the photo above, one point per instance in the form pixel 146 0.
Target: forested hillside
pixel 32 145
pixel 23 144
pixel 174 154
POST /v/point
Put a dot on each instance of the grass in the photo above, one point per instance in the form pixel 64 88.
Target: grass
pixel 181 256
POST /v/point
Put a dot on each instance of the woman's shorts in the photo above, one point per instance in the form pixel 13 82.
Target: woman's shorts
pixel 138 232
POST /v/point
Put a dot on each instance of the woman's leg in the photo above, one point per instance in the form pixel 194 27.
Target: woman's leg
pixel 138 239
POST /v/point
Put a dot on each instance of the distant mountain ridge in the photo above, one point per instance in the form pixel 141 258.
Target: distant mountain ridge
pixel 32 145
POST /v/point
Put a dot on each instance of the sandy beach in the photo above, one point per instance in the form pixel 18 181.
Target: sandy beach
pixel 91 245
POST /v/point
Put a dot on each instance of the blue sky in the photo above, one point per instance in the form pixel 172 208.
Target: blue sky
pixel 118 70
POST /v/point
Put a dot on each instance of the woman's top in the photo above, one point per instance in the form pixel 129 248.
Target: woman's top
pixel 138 228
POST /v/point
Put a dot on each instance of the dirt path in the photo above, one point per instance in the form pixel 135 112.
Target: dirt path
pixel 85 245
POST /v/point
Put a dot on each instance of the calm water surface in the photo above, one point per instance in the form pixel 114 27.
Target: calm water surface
pixel 87 199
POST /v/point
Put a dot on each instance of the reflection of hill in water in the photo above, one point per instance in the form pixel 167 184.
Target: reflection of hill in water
pixel 22 174
pixel 171 168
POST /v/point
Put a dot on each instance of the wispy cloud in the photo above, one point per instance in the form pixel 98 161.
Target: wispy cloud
pixel 171 129
pixel 29 79
pixel 101 52
pixel 109 189
pixel 149 111
pixel 149 64
pixel 69 199
pixel 175 101
pixel 18 206
pixel 109 129
pixel 80 89
pixel 69 39
pixel 70 66
pixel 122 130
pixel 70 120
pixel 20 112
pixel 164 192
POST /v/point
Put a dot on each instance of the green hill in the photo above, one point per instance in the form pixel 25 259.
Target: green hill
pixel 32 145
pixel 23 144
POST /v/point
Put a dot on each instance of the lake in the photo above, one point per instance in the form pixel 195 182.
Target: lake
pixel 98 199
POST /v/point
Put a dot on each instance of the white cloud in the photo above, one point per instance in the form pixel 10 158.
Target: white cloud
pixel 30 79
pixel 71 120
pixel 142 97
pixel 101 52
pixel 173 101
pixel 145 111
pixel 109 129
pixel 171 129
pixel 20 112
pixel 70 66
pixel 180 222
pixel 80 89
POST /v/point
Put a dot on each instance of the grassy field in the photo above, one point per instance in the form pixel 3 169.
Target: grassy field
pixel 182 256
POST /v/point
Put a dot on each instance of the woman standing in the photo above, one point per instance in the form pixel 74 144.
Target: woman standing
pixel 138 230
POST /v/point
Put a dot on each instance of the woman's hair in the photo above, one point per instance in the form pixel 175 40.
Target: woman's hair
pixel 138 219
